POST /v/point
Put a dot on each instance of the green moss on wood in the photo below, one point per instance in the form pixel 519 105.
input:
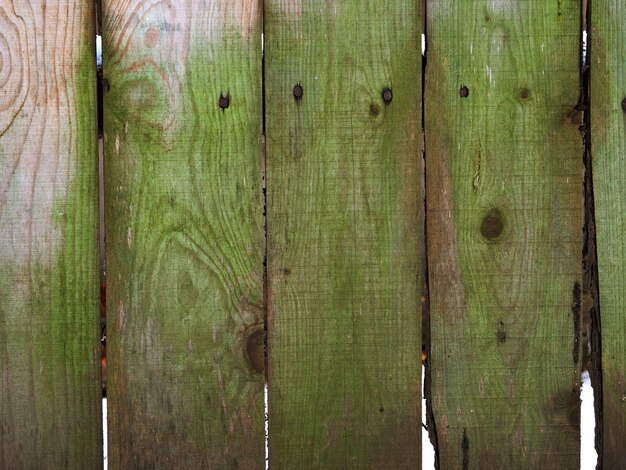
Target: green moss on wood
pixel 184 235
pixel 344 234
pixel 504 212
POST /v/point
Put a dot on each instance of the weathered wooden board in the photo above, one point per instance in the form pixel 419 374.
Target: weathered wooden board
pixel 504 217
pixel 344 141
pixel 184 207
pixel 608 139
pixel 49 362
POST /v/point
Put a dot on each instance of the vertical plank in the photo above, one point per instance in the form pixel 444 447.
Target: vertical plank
pixel 184 215
pixel 608 140
pixel 504 210
pixel 344 233
pixel 49 367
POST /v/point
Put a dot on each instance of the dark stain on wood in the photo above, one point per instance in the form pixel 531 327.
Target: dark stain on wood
pixel 465 450
pixel 576 303
pixel 255 350
pixel 501 333
pixel 563 408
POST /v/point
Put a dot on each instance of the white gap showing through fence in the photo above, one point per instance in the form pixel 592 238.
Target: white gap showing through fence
pixel 588 454
pixel 105 434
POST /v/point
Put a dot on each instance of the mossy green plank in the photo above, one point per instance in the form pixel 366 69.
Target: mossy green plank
pixel 184 208
pixel 607 61
pixel 504 219
pixel 49 365
pixel 344 233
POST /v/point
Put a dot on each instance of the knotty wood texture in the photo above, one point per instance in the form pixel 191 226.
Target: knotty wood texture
pixel 184 233
pixel 49 365
pixel 608 139
pixel 504 210
pixel 344 233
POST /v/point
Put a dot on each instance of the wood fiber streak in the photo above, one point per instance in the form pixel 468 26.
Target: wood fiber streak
pixel 49 365
pixel 344 224
pixel 608 140
pixel 184 214
pixel 504 218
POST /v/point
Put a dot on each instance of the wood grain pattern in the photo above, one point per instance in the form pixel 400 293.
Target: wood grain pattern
pixel 608 139
pixel 49 365
pixel 504 210
pixel 184 233
pixel 344 233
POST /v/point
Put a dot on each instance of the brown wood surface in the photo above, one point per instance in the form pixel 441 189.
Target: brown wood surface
pixel 607 62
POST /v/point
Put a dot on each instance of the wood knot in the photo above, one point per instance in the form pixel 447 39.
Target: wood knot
pixel 563 408
pixel 524 93
pixel 374 109
pixel 151 38
pixel 492 225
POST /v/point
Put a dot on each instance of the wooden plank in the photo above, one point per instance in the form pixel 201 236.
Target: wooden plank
pixel 344 233
pixel 49 365
pixel 184 212
pixel 608 140
pixel 504 217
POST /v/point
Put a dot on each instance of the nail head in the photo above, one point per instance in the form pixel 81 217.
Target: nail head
pixel 298 92
pixel 224 101
pixel 464 92
pixel 387 95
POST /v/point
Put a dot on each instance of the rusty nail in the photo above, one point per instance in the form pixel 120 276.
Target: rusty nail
pixel 224 101
pixel 387 95
pixel 298 92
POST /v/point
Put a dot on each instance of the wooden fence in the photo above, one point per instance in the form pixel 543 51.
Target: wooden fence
pixel 295 195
